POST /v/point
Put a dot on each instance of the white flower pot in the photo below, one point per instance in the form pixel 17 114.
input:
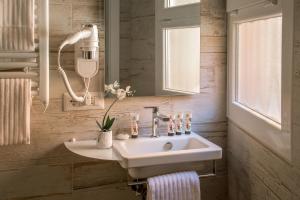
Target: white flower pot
pixel 104 140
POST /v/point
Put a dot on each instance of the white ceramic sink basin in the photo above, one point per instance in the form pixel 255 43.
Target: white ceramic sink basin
pixel 145 152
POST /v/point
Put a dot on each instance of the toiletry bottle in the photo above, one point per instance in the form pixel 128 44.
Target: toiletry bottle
pixel 188 123
pixel 171 125
pixel 179 123
pixel 134 125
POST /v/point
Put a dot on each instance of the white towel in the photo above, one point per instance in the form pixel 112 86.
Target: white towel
pixel 15 103
pixel 17 25
pixel 177 186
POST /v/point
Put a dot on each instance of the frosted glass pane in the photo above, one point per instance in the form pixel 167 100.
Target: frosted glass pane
pixel 172 3
pixel 259 66
pixel 182 59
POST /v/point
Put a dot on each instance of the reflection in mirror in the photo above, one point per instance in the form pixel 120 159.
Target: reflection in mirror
pixel 182 71
pixel 156 52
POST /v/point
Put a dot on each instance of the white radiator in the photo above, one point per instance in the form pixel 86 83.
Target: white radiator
pixel 17 58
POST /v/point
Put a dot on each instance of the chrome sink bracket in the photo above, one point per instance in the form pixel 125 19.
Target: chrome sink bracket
pixel 139 187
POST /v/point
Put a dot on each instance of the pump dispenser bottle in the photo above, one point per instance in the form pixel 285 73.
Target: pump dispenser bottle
pixel 188 123
pixel 179 123
pixel 171 125
pixel 134 125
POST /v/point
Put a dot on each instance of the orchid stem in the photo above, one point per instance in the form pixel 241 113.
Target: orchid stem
pixel 108 111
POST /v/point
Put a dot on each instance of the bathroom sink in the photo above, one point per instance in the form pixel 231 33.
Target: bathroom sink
pixel 138 154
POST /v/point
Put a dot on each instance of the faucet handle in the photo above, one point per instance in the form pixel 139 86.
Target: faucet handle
pixel 154 108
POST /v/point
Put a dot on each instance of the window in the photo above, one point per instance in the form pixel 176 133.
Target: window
pixel 260 58
pixel 177 47
pixel 259 66
pixel 173 3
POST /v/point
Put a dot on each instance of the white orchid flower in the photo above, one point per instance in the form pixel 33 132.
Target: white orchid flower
pixel 112 88
pixel 108 88
pixel 115 89
pixel 116 85
pixel 128 89
pixel 121 94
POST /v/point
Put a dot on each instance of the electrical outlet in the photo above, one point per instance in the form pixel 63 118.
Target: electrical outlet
pixel 97 102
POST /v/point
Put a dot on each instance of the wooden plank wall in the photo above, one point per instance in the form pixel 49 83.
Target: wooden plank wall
pixel 45 170
pixel 255 172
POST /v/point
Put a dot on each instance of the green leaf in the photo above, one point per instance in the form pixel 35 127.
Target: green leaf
pixel 111 123
pixel 107 120
pixel 108 124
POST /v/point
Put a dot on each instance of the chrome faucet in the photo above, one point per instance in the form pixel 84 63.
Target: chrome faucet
pixel 156 117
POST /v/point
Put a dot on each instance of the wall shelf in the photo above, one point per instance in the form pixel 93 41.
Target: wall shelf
pixel 87 148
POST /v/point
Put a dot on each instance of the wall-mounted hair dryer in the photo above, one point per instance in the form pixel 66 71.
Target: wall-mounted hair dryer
pixel 87 65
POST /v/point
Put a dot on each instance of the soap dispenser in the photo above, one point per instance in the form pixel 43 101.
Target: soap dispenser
pixel 179 123
pixel 188 123
pixel 171 125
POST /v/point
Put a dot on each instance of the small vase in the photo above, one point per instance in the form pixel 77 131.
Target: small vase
pixel 104 140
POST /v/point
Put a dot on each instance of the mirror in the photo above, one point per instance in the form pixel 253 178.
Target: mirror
pixel 154 45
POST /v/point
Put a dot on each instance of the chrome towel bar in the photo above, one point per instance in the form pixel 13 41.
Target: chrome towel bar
pixel 212 174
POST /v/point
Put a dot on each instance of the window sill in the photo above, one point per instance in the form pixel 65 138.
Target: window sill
pixel 270 134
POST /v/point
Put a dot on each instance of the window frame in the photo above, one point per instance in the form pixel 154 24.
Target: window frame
pixel 166 4
pixel 276 137
pixel 171 17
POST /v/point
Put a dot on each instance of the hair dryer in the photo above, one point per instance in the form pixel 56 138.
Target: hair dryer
pixel 88 46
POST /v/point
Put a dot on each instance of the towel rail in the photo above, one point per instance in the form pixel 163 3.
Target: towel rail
pixel 38 65
pixel 135 183
pixel 212 174
pixel 34 84
pixel 44 51
pixel 34 93
pixel 18 74
pixel 17 65
pixel 18 55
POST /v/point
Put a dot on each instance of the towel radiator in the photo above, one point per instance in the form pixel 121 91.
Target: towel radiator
pixel 35 64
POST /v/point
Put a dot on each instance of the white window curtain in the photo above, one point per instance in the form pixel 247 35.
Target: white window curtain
pixel 259 66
